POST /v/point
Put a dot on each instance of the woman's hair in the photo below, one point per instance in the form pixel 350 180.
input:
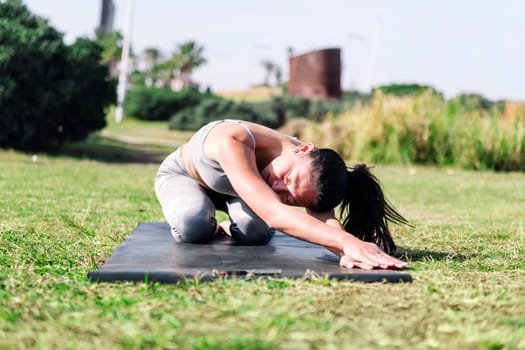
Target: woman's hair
pixel 364 211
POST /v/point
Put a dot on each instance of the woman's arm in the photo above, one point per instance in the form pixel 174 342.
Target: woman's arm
pixel 345 260
pixel 329 219
pixel 238 161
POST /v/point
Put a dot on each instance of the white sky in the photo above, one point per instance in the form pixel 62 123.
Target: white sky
pixel 454 45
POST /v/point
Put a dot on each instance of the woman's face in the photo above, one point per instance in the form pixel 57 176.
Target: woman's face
pixel 291 177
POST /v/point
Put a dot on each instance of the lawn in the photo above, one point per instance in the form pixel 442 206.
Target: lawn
pixel 63 215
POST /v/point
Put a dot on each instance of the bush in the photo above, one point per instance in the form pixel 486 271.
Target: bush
pixel 149 103
pixel 406 90
pixel 217 108
pixel 273 113
pixel 471 102
pixel 297 107
pixel 420 129
pixel 50 93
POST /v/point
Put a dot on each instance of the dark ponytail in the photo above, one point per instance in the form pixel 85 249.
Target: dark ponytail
pixel 365 212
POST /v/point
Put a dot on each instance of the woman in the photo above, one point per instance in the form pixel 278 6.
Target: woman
pixel 257 175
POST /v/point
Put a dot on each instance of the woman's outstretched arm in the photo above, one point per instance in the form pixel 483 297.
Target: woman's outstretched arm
pixel 239 163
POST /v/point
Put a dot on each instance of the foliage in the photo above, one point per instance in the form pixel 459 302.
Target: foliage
pixel 111 44
pixel 405 89
pixel 273 113
pixel 160 71
pixel 218 108
pixel 424 129
pixel 189 56
pixel 271 69
pixel 352 97
pixel 148 103
pixel 50 93
pixel 469 102
pixel 315 110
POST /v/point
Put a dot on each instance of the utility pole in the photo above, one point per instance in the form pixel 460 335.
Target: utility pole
pixel 351 37
pixel 124 62
pixel 373 54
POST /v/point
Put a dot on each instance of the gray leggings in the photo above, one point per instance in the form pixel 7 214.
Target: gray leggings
pixel 190 208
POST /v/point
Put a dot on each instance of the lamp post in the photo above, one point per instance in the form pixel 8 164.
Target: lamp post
pixel 373 54
pixel 351 37
pixel 124 62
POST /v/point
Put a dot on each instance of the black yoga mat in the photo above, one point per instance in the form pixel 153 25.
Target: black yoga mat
pixel 151 254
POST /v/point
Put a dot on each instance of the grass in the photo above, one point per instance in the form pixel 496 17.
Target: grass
pixel 63 215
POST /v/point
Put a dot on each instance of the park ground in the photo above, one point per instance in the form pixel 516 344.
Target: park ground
pixel 63 215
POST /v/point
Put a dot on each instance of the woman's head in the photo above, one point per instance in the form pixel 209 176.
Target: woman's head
pixel 364 210
pixel 319 180
pixel 308 177
pixel 291 177
pixel 330 179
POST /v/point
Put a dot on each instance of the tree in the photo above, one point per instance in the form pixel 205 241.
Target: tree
pixel 269 68
pixel 190 56
pixel 50 93
pixel 182 62
pixel 151 56
pixel 278 73
pixel 147 74
pixel 167 70
pixel 406 89
pixel 111 44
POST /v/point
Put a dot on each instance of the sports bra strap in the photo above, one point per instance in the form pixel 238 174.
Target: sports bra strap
pixel 250 132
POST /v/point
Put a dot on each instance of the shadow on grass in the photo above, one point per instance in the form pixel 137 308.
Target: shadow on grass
pixel 418 255
pixel 106 149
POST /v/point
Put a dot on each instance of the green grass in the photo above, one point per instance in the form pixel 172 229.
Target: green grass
pixel 63 215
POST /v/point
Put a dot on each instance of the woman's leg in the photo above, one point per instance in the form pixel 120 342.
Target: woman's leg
pixel 246 227
pixel 186 207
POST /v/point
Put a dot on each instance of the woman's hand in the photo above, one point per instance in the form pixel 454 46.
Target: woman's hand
pixel 368 256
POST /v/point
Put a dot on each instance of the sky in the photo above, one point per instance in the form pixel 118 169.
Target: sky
pixel 456 46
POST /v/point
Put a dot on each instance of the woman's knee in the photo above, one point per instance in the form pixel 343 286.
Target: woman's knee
pixel 250 231
pixel 246 226
pixel 192 225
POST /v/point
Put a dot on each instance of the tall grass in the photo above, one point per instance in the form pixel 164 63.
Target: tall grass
pixel 424 129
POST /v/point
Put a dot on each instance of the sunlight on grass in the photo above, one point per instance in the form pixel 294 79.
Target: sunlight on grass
pixel 62 217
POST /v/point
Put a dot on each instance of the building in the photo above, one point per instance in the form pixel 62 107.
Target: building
pixel 316 75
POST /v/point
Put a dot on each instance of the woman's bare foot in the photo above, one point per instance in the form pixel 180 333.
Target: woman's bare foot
pixel 225 225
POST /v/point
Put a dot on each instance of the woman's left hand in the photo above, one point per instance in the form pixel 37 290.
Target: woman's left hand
pixel 368 256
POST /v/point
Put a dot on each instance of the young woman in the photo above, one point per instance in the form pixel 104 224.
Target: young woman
pixel 258 175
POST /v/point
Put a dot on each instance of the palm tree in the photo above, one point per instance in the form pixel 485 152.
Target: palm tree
pixel 111 49
pixel 269 67
pixel 189 56
pixel 167 70
pixel 278 73
pixel 151 57
pixel 182 62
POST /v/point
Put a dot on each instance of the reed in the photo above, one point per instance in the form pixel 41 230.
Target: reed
pixel 424 129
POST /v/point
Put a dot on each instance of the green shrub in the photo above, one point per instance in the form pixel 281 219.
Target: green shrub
pixel 291 106
pixel 297 107
pixel 149 103
pixel 50 93
pixel 206 111
pixel 406 90
pixel 319 109
pixel 421 130
pixel 217 108
pixel 473 102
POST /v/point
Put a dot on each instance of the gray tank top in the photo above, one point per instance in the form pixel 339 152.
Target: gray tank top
pixel 210 171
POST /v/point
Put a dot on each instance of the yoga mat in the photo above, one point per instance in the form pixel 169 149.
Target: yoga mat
pixel 151 254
